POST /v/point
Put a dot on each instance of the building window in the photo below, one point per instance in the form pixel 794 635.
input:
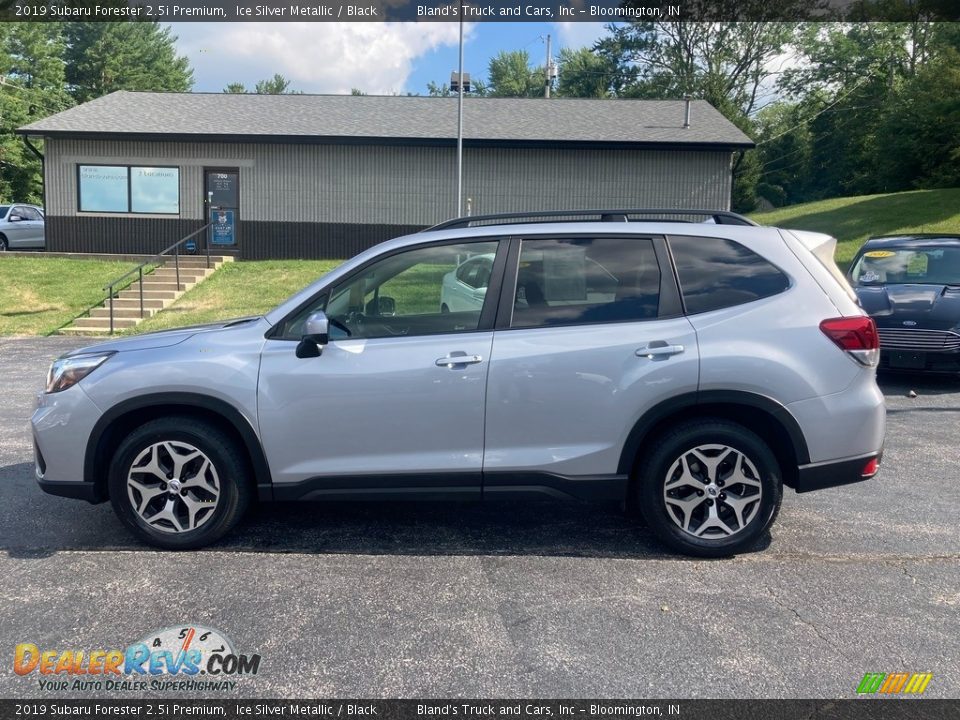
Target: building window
pixel 129 189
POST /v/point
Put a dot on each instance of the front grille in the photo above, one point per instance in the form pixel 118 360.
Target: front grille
pixel 918 340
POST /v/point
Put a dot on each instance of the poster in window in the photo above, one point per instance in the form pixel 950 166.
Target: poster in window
pixel 222 227
pixel 155 190
pixel 103 188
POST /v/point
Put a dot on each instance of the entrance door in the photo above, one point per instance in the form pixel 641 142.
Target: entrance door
pixel 223 206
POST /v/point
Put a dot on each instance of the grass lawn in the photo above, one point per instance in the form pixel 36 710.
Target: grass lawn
pixel 39 295
pixel 853 219
pixel 239 289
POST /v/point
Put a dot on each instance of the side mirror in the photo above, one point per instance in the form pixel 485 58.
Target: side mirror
pixel 14 218
pixel 384 306
pixel 316 335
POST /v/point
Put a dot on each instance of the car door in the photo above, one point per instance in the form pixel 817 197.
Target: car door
pixel 17 228
pixel 395 402
pixel 589 337
pixel 33 228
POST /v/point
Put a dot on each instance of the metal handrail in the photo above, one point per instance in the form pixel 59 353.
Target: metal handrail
pixel 139 270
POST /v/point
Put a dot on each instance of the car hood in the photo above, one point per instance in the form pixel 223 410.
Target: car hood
pixel 162 338
pixel 935 307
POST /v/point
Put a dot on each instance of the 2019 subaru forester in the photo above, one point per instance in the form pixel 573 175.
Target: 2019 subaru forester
pixel 690 370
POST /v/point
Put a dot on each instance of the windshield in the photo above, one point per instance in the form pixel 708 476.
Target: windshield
pixel 918 265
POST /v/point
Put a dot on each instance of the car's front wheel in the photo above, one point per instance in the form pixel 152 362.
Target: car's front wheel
pixel 179 483
pixel 709 488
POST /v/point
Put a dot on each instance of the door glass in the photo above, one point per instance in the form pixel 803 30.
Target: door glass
pixel 583 281
pixel 403 295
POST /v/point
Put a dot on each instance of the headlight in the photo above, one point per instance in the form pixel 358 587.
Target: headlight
pixel 67 372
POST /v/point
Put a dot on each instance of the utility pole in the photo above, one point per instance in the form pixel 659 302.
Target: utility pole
pixel 547 70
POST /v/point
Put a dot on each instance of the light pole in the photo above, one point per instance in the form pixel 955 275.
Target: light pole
pixel 460 122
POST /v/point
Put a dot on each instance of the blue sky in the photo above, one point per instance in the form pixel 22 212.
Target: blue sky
pixel 376 58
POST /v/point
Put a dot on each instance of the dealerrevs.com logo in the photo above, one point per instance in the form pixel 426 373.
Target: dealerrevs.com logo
pixel 181 658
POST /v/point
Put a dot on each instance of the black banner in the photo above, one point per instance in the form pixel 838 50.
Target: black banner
pixel 477 10
pixel 859 709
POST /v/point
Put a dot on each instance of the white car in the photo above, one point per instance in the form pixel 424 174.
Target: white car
pixel 465 288
pixel 21 226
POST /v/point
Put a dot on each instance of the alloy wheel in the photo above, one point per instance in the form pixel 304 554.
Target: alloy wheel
pixel 173 486
pixel 712 491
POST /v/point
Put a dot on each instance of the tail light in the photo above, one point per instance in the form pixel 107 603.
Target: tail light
pixel 857 336
pixel 871 468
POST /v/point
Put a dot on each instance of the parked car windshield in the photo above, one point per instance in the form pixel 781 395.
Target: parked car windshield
pixel 923 266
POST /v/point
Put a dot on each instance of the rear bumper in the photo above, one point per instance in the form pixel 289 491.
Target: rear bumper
pixel 831 474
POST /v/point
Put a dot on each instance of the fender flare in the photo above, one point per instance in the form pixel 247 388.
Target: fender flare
pixel 230 414
pixel 650 419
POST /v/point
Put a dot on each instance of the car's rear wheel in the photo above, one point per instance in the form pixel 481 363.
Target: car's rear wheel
pixel 179 483
pixel 709 488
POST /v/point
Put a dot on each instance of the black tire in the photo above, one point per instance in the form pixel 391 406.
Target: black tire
pixel 444 308
pixel 3 244
pixel 227 463
pixel 662 464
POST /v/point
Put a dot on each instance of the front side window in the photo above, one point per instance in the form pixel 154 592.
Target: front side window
pixel 416 292
pixel 717 273
pixel 129 189
pixel 574 281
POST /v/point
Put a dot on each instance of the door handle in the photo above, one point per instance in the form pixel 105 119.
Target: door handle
pixel 451 361
pixel 659 349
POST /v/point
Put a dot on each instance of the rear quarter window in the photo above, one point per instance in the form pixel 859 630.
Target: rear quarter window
pixel 716 273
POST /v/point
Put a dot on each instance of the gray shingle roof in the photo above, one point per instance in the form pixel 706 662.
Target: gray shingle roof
pixel 400 118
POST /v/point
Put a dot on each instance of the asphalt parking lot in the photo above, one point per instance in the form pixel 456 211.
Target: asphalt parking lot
pixel 508 600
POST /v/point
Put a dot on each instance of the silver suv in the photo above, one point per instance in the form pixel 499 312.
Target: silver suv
pixel 686 369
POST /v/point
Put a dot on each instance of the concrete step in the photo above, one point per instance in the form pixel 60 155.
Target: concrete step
pixel 99 323
pixel 188 273
pixel 159 284
pixel 123 312
pixel 135 303
pixel 148 294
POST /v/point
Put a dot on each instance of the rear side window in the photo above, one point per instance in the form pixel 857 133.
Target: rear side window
pixel 580 281
pixel 717 273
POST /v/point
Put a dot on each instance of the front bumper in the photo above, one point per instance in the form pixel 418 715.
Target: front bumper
pixel 919 361
pixel 818 476
pixel 61 425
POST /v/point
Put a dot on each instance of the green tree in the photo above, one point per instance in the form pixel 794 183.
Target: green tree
pixel 478 88
pixel 277 85
pixel 584 74
pixel 32 71
pixel 108 56
pixel 510 75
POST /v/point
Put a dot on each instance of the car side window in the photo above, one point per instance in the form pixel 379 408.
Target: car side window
pixel 716 273
pixel 578 281
pixel 16 211
pixel 407 294
pixel 28 213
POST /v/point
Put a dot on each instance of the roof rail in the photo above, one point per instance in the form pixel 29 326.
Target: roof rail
pixel 721 217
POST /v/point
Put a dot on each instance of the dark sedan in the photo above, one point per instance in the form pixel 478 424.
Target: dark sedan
pixel 910 285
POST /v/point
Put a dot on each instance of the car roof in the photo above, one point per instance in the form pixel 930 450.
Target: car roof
pixel 912 239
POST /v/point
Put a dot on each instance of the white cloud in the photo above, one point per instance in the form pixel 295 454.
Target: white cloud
pixel 579 34
pixel 317 57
